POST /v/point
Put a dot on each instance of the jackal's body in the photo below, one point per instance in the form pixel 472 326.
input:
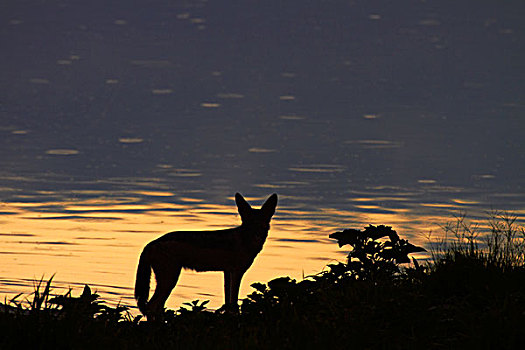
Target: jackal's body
pixel 231 250
pixel 222 250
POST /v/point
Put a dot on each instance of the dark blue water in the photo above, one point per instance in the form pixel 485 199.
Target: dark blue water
pixel 353 111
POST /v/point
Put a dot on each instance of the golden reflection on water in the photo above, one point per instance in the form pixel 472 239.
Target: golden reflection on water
pixel 97 241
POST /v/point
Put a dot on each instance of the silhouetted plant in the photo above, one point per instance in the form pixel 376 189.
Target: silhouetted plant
pixel 370 257
pixel 193 307
pixel 36 304
pixel 41 299
pixel 503 247
pixel 369 260
pixel 86 305
pixel 506 243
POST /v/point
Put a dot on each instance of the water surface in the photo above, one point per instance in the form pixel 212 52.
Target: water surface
pixel 120 122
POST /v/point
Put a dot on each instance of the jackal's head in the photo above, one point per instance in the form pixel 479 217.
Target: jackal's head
pixel 256 217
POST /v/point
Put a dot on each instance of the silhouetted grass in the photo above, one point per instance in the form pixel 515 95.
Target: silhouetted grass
pixel 503 247
pixel 472 294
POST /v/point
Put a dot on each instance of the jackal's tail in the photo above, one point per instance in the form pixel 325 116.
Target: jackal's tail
pixel 142 281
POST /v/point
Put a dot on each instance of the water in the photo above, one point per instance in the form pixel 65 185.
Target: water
pixel 120 122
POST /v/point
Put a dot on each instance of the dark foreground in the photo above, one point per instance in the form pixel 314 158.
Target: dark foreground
pixel 467 297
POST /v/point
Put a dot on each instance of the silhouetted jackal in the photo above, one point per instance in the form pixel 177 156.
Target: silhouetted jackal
pixel 231 250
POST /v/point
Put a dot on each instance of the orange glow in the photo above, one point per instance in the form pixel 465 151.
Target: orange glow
pixel 97 241
pixel 462 201
pixel 156 193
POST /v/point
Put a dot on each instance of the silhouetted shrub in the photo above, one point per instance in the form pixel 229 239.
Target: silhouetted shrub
pixel 371 258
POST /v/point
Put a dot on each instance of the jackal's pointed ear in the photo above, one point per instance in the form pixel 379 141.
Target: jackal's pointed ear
pixel 268 208
pixel 243 206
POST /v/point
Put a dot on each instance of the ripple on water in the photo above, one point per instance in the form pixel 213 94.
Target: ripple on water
pixel 261 150
pixel 318 168
pixel 291 117
pixel 161 91
pixel 375 144
pixel 230 95
pixel 210 105
pixel 62 152
pixel 183 173
pixel 17 234
pixel 426 181
pixel 130 140
pixel 39 81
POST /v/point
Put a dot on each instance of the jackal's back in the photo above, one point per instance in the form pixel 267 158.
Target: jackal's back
pixel 222 250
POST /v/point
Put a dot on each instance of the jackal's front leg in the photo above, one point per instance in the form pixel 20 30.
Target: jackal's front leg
pixel 232 283
pixel 227 287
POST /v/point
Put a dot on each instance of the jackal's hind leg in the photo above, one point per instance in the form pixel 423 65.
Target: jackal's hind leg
pixel 166 281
